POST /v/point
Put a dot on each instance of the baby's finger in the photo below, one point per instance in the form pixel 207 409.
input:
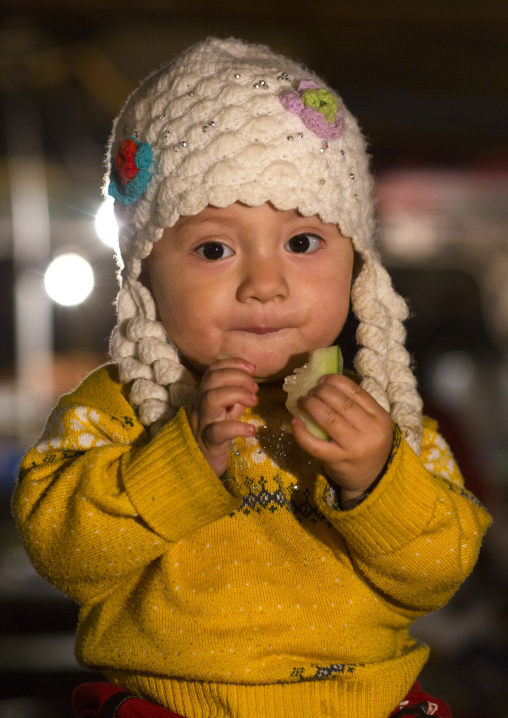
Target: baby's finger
pixel 227 362
pixel 221 432
pixel 218 376
pixel 332 405
pixel 338 426
pixel 326 451
pixel 223 399
pixel 352 390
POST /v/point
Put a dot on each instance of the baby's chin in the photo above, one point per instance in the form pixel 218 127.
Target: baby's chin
pixel 266 371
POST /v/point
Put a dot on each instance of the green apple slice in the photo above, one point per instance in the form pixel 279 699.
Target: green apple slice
pixel 322 361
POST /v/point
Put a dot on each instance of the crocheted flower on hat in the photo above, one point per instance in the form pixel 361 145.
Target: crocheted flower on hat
pixel 129 174
pixel 318 108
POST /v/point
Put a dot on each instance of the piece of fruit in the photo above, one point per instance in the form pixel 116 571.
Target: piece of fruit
pixel 322 361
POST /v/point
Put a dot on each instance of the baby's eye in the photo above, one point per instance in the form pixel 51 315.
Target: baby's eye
pixel 303 243
pixel 214 250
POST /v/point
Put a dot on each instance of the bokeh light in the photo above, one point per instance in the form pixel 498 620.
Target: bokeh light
pixel 69 279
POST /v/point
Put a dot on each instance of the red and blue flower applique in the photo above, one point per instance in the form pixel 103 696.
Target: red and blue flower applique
pixel 129 174
pixel 318 108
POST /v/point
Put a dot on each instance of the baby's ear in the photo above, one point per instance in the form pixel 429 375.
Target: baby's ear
pixel 144 277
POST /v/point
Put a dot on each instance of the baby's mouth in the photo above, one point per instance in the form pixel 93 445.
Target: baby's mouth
pixel 262 330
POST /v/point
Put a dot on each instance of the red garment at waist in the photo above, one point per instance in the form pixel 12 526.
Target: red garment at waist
pixel 104 700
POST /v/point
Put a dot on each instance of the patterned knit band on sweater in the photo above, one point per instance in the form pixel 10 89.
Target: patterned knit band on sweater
pixel 224 122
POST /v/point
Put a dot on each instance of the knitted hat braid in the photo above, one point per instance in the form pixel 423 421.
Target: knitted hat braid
pixel 227 121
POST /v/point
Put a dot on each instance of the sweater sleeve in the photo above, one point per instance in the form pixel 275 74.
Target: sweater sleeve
pixel 97 501
pixel 416 537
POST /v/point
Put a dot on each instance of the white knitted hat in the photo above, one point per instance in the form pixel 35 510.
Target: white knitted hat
pixel 228 121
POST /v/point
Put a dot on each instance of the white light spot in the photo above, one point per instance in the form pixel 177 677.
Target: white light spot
pixel 69 279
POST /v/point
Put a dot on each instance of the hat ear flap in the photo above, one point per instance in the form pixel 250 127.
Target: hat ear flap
pixel 145 357
pixel 383 362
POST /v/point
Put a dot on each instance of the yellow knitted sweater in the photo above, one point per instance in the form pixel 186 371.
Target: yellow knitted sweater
pixel 254 595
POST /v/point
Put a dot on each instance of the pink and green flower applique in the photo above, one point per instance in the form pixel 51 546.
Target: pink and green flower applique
pixel 318 108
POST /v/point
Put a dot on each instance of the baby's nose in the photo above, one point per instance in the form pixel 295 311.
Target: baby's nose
pixel 263 281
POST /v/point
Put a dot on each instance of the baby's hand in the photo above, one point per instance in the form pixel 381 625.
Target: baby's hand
pixel 360 432
pixel 227 389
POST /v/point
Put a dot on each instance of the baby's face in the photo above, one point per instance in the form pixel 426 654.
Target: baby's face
pixel 264 285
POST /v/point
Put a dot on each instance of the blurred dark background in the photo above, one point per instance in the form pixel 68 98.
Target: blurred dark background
pixel 428 81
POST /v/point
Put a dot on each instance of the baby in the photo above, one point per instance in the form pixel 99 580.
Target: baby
pixel 227 562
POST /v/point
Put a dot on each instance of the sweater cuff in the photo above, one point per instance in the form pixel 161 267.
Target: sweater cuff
pixel 172 486
pixel 396 512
